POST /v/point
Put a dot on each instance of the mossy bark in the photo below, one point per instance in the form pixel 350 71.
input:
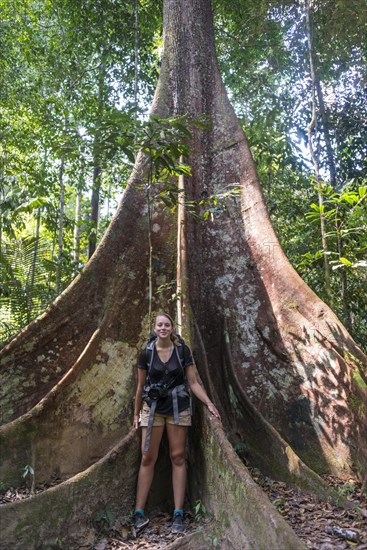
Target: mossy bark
pixel 229 492
pixel 69 510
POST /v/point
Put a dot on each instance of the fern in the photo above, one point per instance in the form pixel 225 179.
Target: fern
pixel 26 267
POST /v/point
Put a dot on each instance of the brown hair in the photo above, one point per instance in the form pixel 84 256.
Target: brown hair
pixel 173 336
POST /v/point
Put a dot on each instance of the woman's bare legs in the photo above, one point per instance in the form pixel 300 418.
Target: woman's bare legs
pixel 148 461
pixel 177 446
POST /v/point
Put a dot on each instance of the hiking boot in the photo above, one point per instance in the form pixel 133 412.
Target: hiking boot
pixel 178 523
pixel 140 521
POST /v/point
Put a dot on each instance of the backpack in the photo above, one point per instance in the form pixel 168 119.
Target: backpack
pixel 180 390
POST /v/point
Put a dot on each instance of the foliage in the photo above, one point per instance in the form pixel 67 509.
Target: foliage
pixel 75 84
pixel 28 473
pixel 264 60
pixel 201 511
pixel 25 273
pixel 104 520
pixel 215 538
pixel 27 470
pixel 165 142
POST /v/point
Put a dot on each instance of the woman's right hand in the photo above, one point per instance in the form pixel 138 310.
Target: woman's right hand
pixel 136 421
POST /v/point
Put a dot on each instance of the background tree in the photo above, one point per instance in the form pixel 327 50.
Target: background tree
pixel 267 71
pixel 52 113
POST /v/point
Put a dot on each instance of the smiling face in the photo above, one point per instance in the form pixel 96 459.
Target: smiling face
pixel 163 327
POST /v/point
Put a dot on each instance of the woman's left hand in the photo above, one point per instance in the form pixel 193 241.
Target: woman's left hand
pixel 136 422
pixel 213 409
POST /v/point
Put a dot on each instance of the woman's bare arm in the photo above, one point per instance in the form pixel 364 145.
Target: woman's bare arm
pixel 142 375
pixel 199 391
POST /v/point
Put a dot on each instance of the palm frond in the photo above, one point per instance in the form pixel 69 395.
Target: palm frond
pixel 25 268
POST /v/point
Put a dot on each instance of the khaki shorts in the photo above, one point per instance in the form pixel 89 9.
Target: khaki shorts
pixel 163 419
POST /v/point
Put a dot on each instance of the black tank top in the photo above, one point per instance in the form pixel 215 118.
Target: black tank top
pixel 171 373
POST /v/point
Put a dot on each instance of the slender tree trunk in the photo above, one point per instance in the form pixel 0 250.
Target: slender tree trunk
pixel 94 215
pixel 343 275
pixel 332 176
pixel 2 184
pixel 34 265
pixel 77 220
pixel 315 155
pixel 136 56
pixel 51 291
pixel 60 250
pixel 97 167
pixel 325 126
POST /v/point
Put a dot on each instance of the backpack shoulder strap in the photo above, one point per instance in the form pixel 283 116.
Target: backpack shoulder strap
pixel 180 352
pixel 149 352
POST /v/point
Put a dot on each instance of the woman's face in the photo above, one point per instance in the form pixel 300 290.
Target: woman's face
pixel 163 327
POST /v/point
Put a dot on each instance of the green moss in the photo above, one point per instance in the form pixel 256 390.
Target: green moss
pixel 291 305
pixel 358 380
pixel 357 406
pixel 348 356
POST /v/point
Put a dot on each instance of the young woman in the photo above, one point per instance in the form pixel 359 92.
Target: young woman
pixel 163 368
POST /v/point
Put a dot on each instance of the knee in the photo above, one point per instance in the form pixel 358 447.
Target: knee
pixel 148 459
pixel 178 459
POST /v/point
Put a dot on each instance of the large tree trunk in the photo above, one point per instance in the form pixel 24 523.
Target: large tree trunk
pixel 265 345
pixel 289 352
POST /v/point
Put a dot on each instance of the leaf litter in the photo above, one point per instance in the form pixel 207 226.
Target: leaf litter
pixel 338 525
pixel 321 525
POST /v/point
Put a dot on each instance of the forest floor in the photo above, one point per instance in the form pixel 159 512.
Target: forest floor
pixel 321 525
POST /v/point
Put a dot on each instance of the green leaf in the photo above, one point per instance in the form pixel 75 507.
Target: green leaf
pixel 345 261
pixel 318 208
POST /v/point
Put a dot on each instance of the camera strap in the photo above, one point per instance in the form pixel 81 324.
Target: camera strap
pixel 174 393
pixel 150 424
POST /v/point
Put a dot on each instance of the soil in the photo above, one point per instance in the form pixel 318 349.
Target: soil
pixel 321 525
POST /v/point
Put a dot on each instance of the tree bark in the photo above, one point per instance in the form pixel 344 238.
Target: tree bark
pixel 94 206
pixel 265 345
pixel 289 351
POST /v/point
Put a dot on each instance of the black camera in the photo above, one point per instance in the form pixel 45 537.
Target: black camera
pixel 157 391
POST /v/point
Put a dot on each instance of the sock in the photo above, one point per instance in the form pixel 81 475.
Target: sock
pixel 178 512
pixel 141 512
